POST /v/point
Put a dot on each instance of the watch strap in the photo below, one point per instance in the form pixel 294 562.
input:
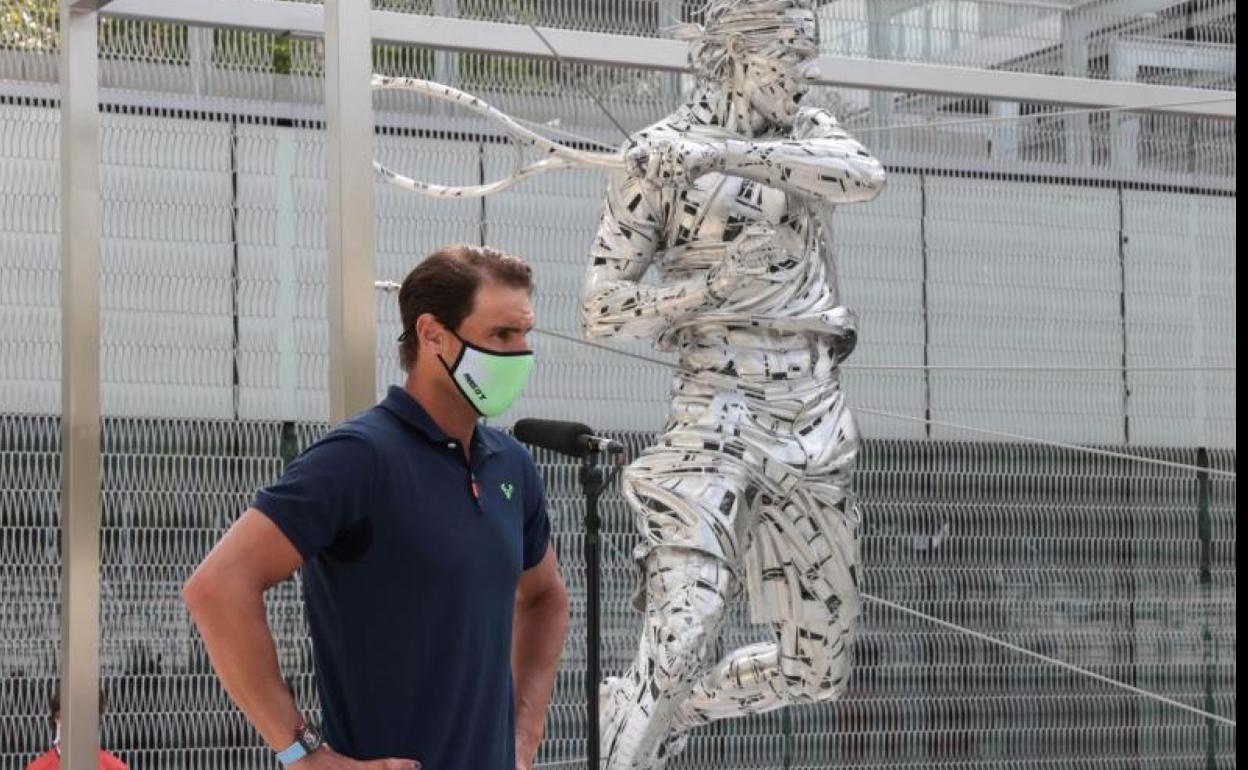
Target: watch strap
pixel 292 753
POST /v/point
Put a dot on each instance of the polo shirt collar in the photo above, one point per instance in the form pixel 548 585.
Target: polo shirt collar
pixel 401 404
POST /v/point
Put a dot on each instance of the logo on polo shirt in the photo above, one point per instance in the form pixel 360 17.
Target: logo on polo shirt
pixel 508 490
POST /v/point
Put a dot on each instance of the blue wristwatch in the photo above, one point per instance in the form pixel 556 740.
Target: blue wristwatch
pixel 307 740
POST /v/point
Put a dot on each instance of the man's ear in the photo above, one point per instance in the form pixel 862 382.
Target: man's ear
pixel 430 334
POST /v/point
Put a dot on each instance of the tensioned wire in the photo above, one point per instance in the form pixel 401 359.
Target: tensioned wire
pixel 1063 445
pixel 891 415
pixel 1047 659
pixel 901 126
pixel 939 423
pixel 1031 439
pixel 962 629
pixel 970 632
pixel 391 286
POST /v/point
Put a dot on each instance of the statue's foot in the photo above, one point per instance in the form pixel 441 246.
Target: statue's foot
pixel 611 709
pixel 609 693
pixel 672 746
pixel 619 723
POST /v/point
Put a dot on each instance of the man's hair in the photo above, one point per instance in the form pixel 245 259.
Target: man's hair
pixel 445 284
pixel 54 704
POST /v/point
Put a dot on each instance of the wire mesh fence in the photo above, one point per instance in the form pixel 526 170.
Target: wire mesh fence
pixel 1097 243
pixel 1124 569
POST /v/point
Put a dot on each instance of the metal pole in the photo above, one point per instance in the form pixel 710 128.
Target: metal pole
pixel 80 387
pixel 349 152
pixel 592 481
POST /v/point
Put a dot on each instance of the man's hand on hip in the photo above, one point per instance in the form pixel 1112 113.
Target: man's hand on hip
pixel 326 758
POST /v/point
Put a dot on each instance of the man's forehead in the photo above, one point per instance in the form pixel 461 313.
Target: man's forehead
pixel 512 308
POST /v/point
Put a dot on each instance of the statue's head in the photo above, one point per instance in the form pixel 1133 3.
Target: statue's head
pixel 762 49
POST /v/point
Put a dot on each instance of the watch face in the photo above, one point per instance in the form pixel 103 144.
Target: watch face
pixel 309 738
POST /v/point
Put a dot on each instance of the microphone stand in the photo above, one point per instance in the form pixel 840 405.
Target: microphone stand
pixel 593 482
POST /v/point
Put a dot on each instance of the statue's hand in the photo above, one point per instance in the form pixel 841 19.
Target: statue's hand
pixel 671 162
pixel 760 253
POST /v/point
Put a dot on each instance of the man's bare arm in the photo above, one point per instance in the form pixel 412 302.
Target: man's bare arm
pixel 538 631
pixel 225 597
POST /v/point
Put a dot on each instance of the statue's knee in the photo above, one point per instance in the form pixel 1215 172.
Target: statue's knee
pixel 815 683
pixel 818 691
pixel 688 603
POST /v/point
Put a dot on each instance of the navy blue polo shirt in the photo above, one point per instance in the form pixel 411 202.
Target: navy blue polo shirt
pixel 410 580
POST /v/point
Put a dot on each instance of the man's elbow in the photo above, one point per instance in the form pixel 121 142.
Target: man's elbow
pixel 196 594
pixel 560 607
pixel 552 602
pixel 560 599
pixel 204 591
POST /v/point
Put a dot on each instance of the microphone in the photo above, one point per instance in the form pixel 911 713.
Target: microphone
pixel 569 438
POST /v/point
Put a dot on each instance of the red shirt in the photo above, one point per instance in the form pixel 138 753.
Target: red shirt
pixel 52 761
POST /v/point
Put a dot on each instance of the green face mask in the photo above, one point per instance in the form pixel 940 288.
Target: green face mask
pixel 491 381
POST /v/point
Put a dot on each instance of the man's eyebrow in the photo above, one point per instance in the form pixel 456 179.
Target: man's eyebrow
pixel 521 329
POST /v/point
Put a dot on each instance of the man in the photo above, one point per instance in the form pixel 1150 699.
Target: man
pixel 729 199
pixel 51 759
pixel 418 531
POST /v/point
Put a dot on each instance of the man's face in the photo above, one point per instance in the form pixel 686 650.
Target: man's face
pixel 501 318
pixel 777 76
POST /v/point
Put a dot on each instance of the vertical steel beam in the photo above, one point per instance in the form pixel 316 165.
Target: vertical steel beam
pixel 673 88
pixel 80 388
pixel 1005 133
pixel 880 46
pixel 446 63
pixel 1076 48
pixel 349 114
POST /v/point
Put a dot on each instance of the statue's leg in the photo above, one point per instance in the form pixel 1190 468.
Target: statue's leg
pixel 686 592
pixel 803 665
pixel 809 585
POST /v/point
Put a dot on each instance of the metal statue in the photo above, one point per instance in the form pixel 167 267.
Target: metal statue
pixel 729 200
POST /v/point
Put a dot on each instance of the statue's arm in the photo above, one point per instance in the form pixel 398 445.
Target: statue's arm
pixel 614 302
pixel 822 161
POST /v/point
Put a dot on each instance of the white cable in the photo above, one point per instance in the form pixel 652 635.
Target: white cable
pixel 971 429
pixel 931 367
pixel 1049 442
pixel 1034 368
pixel 1047 659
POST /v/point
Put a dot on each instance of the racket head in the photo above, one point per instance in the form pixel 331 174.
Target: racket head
pixel 551 155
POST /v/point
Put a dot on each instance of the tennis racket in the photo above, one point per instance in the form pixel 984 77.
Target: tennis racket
pixel 524 142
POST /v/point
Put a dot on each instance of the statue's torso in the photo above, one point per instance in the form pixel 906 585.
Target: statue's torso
pixel 765 328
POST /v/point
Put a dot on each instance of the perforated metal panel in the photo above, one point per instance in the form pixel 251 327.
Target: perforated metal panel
pixel 1025 274
pixel 881 265
pixel 1180 309
pixel 1125 569
pixel 1024 239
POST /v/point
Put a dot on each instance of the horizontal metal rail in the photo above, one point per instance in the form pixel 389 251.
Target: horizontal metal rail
pixel 305 20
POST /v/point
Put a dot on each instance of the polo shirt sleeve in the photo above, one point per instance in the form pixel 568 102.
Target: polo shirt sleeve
pixel 324 490
pixel 536 520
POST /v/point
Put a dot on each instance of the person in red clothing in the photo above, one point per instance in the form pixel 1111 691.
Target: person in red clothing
pixel 51 759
